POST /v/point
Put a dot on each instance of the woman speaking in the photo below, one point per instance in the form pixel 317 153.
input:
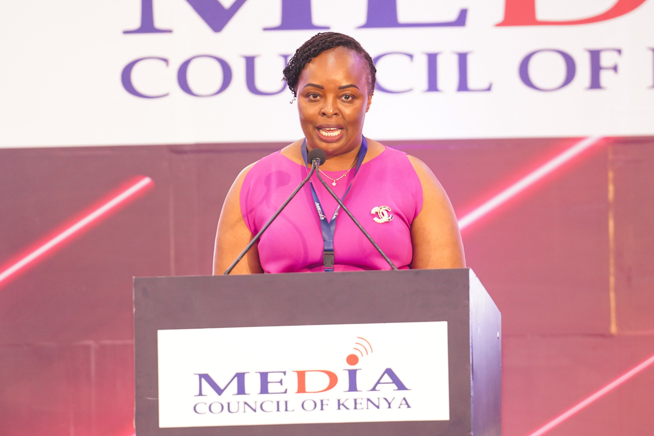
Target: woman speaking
pixel 395 197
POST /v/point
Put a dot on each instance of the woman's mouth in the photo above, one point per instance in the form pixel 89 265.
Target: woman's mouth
pixel 330 132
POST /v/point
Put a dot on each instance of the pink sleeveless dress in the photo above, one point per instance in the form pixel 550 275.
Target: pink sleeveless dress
pixel 293 243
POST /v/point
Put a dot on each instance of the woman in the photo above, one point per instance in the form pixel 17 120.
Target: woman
pixel 396 197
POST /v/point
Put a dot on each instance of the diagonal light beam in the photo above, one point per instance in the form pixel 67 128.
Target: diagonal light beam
pixel 522 184
pixel 25 261
pixel 594 397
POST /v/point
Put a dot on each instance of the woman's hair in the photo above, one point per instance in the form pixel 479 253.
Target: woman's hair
pixel 317 44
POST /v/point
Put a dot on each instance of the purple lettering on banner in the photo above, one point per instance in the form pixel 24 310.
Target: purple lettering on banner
pixel 214 13
pixel 216 413
pixel 352 380
pixel 313 407
pixel 250 76
pixel 147 20
pixel 126 78
pixel 378 86
pixel 240 384
pixel 432 72
pixel 296 15
pixel 463 75
pixel 596 66
pixel 265 382
pixel 395 380
pixel 570 70
pixel 370 402
pixel 383 13
pixel 183 80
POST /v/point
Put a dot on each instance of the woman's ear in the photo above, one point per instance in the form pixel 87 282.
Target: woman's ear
pixel 369 102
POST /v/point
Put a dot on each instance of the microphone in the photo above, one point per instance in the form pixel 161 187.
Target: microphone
pixel 319 154
pixel 317 157
pixel 340 203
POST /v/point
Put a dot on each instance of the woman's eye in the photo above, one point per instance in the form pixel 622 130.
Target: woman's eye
pixel 313 96
pixel 348 97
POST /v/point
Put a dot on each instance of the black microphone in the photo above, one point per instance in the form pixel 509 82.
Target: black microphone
pixel 317 157
pixel 319 154
pixel 338 200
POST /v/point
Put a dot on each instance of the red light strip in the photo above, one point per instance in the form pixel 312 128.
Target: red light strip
pixel 527 181
pixel 69 232
pixel 594 397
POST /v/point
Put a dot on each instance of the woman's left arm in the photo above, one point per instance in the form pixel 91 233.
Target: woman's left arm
pixel 435 232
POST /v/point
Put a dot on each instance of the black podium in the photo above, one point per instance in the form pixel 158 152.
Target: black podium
pixel 203 311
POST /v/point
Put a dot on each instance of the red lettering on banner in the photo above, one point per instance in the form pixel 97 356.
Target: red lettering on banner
pixel 302 381
pixel 523 13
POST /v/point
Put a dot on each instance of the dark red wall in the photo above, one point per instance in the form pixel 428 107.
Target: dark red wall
pixel 548 257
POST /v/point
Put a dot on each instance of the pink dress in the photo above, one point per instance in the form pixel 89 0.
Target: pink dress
pixel 293 243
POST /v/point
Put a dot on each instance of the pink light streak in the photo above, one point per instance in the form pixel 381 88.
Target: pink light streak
pixel 594 397
pixel 28 259
pixel 522 184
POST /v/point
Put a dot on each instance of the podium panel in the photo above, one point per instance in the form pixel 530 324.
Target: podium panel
pixel 360 353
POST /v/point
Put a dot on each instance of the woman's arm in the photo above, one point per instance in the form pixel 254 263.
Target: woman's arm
pixel 435 233
pixel 233 235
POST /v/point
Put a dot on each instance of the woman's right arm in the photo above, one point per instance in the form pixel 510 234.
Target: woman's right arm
pixel 233 235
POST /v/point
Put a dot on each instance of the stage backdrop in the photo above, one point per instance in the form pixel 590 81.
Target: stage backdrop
pixel 124 122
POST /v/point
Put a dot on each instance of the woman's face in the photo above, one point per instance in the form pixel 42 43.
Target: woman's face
pixel 333 98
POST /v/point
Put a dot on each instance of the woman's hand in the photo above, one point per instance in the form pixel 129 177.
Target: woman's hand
pixel 435 232
pixel 233 235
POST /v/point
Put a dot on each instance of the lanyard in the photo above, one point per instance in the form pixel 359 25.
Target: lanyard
pixel 329 227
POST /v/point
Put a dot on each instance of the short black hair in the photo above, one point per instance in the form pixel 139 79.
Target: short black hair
pixel 319 43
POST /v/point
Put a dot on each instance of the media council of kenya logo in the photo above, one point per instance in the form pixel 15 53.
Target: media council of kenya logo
pixel 236 396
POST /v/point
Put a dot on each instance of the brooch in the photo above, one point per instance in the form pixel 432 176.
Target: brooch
pixel 383 214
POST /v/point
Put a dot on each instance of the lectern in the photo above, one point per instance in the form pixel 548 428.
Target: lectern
pixel 414 352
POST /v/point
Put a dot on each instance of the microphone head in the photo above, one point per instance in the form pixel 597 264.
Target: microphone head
pixel 319 154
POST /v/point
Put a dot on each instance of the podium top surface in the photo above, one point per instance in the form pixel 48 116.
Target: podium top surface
pixel 380 296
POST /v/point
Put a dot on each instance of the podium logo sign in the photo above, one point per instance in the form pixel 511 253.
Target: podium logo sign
pixel 303 374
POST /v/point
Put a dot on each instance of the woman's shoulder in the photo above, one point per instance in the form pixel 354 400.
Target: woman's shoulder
pixel 375 149
pixel 394 154
pixel 292 152
pixel 409 165
pixel 276 160
pixel 386 155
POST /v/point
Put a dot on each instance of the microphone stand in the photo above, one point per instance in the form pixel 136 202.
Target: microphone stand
pixel 338 200
pixel 314 165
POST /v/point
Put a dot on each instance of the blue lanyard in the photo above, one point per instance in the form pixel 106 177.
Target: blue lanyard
pixel 329 227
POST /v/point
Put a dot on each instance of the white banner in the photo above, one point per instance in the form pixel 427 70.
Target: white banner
pixel 303 374
pixel 120 72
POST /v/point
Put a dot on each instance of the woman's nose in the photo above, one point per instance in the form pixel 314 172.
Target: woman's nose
pixel 329 109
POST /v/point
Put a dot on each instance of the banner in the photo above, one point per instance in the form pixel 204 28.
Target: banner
pixel 127 72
